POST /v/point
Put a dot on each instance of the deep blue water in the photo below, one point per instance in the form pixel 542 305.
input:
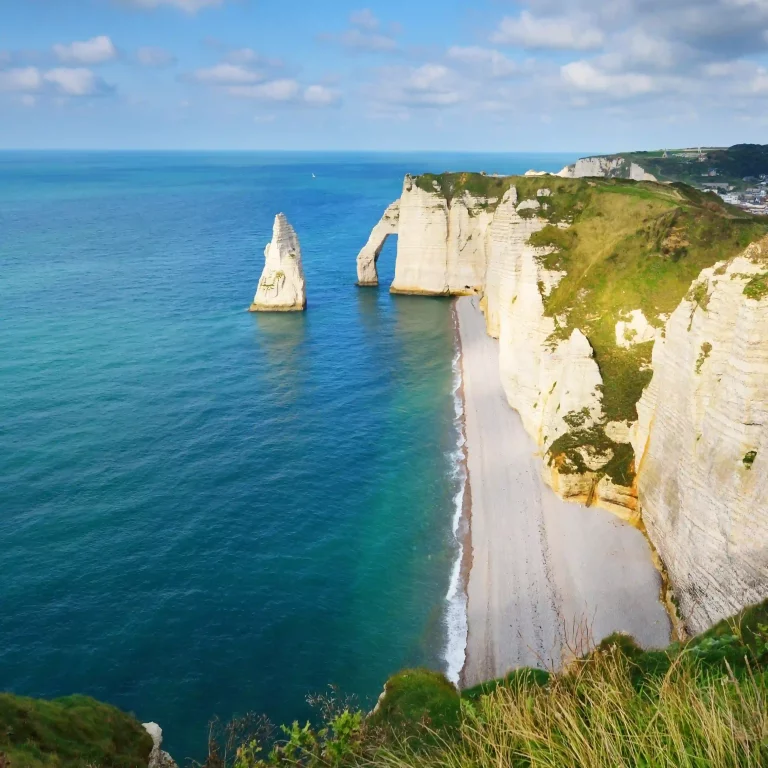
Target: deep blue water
pixel 203 511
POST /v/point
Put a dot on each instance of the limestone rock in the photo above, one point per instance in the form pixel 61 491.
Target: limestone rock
pixel 282 287
pixel 367 258
pixel 610 167
pixel 158 758
pixel 702 445
pixel 441 242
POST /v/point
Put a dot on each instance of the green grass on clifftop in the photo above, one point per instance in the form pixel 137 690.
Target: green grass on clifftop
pixel 452 185
pixel 629 245
pixel 72 732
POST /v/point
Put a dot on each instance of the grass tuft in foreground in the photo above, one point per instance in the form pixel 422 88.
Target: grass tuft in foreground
pixel 701 704
pixel 596 717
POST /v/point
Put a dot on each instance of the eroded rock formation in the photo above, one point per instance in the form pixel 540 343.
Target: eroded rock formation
pixel 441 242
pixel 367 258
pixel 282 287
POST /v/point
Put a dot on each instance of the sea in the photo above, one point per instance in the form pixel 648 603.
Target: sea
pixel 206 512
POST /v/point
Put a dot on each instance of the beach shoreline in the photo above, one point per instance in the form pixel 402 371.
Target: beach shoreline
pixel 456 597
pixel 543 574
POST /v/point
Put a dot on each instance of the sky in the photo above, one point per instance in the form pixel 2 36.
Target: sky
pixel 466 75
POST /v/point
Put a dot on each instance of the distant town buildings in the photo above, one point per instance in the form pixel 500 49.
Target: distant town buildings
pixel 753 199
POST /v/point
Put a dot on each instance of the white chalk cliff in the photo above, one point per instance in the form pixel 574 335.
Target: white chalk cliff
pixel 441 242
pixel 702 445
pixel 468 244
pixel 282 287
pixel 701 441
pixel 607 167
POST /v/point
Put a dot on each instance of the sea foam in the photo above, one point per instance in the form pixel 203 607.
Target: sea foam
pixel 456 597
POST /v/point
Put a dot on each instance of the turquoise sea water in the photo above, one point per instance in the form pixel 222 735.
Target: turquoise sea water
pixel 203 511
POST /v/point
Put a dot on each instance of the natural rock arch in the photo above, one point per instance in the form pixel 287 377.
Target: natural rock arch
pixel 367 258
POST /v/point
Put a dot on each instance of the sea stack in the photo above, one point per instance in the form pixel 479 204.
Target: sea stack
pixel 281 287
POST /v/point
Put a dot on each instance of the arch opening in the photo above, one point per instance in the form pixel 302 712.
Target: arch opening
pixel 367 273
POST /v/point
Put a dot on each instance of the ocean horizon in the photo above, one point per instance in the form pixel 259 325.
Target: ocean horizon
pixel 209 512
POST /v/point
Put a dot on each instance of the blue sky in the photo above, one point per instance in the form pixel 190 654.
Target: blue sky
pixel 488 75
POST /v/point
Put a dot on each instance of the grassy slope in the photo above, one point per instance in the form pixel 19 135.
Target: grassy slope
pixel 72 732
pixel 630 245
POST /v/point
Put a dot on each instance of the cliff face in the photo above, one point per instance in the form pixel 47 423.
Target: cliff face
pixel 606 167
pixel 281 287
pixel 555 384
pixel 702 437
pixel 441 241
pixel 587 285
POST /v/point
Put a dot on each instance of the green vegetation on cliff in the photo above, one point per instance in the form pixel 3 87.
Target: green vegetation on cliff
pixel 628 246
pixel 621 246
pixel 702 704
pixel 72 732
pixel 452 185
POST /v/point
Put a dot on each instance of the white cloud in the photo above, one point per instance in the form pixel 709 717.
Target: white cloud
pixel 21 79
pixel 362 41
pixel 759 83
pixel 553 32
pixel 154 57
pixel 495 62
pixel 365 19
pixel 725 68
pixel 365 34
pixel 430 85
pixel 190 6
pixel 275 90
pixel 227 74
pixel 645 48
pixel 321 96
pixel 249 56
pixel 584 76
pixel 28 100
pixel 97 50
pixel 76 81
